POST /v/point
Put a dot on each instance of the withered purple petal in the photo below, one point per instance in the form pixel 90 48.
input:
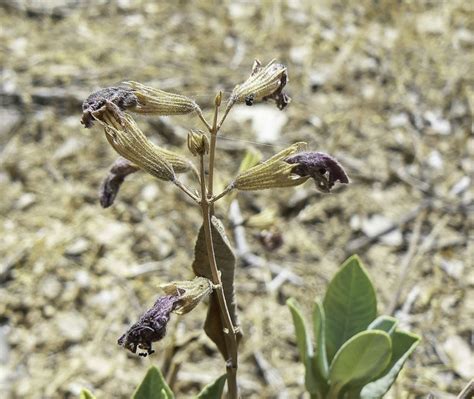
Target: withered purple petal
pixel 110 186
pixel 123 98
pixel 151 326
pixel 323 168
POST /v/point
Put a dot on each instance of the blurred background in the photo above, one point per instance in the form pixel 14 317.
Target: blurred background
pixel 385 86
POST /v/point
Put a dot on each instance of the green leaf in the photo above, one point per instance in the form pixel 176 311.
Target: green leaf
pixel 225 260
pixel 350 304
pixel 153 386
pixel 384 323
pixel 360 360
pixel 213 390
pixel 303 339
pixel 305 347
pixel 319 321
pixel 86 394
pixel 403 345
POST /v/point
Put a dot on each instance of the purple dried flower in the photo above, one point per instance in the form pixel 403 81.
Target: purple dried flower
pixel 123 98
pixel 109 188
pixel 151 326
pixel 324 169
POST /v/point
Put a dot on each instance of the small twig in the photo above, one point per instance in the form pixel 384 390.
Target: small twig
pixel 360 243
pixel 407 262
pixel 468 391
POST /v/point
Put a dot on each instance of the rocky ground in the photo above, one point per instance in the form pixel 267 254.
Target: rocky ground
pixel 384 86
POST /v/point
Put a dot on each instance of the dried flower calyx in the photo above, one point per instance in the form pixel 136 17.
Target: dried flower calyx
pixel 122 97
pixel 190 293
pixel 109 188
pixel 263 83
pixel 324 169
pixel 159 102
pixel 274 172
pixel 129 141
pixel 151 327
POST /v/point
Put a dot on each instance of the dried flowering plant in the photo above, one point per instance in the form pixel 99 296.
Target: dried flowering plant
pixel 214 262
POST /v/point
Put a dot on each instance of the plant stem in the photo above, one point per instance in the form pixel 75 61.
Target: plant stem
pixel 226 112
pixel 186 190
pixel 229 334
pixel 226 191
pixel 212 151
pixel 201 116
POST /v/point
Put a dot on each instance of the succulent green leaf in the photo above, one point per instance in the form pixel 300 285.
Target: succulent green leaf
pixel 303 339
pixel 319 321
pixel 360 360
pixel 153 386
pixel 350 304
pixel 214 390
pixel 305 347
pixel 86 394
pixel 384 323
pixel 403 344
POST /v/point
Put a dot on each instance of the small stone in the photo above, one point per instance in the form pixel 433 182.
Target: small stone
pixel 460 355
pixel 437 124
pixel 399 120
pixel 25 201
pixel 72 325
pixel 104 300
pixel 70 147
pixel 461 186
pixel 150 193
pixel 78 247
pixel 453 268
pixel 50 287
pixel 374 225
pixel 83 279
pixel 435 160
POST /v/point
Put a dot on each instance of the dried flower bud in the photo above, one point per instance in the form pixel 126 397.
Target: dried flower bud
pixel 218 99
pixel 198 144
pixel 272 173
pixel 159 102
pixel 109 188
pixel 151 326
pixel 190 293
pixel 324 169
pixel 263 83
pixel 128 140
pixel 122 97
